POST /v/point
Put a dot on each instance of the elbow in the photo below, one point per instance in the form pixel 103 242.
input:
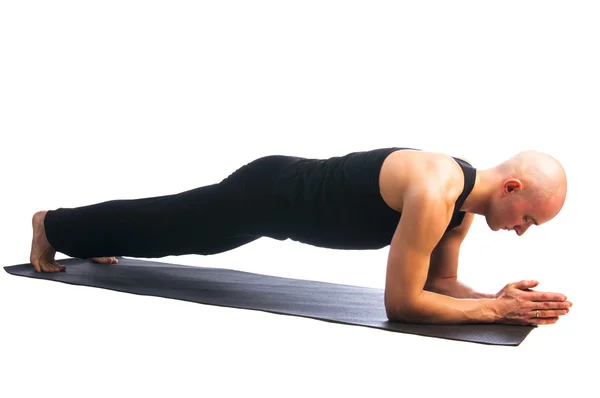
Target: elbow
pixel 402 310
pixel 394 316
pixel 402 316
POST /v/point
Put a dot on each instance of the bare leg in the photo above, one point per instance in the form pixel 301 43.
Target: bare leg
pixel 42 253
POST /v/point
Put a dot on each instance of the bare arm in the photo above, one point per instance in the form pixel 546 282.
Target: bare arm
pixel 443 265
pixel 425 215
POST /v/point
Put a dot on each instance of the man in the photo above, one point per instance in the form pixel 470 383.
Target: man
pixel 419 203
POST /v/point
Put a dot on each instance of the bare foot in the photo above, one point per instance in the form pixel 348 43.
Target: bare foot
pixel 42 253
pixel 105 260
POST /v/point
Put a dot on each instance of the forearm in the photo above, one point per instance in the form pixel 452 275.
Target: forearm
pixel 432 307
pixel 457 289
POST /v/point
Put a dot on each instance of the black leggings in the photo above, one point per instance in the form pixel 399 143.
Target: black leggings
pixel 245 206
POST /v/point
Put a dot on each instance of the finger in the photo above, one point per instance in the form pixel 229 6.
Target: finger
pixel 548 313
pixel 545 296
pixel 37 267
pixel 525 284
pixel 533 321
pixel 543 321
pixel 551 305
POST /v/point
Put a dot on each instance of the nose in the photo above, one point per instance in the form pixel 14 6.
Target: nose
pixel 520 229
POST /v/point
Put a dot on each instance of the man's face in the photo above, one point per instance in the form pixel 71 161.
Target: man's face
pixel 518 211
pixel 509 215
pixel 512 212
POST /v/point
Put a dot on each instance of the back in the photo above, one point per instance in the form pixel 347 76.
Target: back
pixel 336 202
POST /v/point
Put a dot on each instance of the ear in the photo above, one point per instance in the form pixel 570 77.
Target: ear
pixel 511 185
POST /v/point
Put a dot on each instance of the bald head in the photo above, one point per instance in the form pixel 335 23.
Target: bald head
pixel 527 189
pixel 540 180
pixel 542 175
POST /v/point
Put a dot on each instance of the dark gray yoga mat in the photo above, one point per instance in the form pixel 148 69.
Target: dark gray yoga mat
pixel 345 304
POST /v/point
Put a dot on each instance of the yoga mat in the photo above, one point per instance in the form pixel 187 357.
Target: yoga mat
pixel 352 305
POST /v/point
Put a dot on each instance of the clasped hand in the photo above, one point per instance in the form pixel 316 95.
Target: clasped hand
pixel 518 304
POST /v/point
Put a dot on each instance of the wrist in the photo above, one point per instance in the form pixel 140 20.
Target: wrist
pixel 478 295
pixel 456 289
pixel 491 311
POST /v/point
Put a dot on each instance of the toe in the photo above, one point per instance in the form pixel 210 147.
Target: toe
pixel 59 267
pixel 102 260
pixel 45 267
pixel 52 266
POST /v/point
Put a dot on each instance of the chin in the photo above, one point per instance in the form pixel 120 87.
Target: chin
pixel 491 226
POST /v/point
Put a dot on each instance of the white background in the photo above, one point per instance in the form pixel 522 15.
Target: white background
pixel 125 99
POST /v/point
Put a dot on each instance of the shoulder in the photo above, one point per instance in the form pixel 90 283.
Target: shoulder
pixel 420 174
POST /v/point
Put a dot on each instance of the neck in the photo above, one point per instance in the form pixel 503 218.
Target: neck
pixel 478 199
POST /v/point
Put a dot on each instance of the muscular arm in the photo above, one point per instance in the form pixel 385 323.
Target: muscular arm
pixel 443 266
pixel 425 215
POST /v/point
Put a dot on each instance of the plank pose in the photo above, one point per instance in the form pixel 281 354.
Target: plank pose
pixel 419 203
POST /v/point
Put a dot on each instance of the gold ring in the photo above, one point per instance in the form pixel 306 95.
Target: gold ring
pixel 537 313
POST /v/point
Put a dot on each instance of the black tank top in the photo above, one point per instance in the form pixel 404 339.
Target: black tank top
pixel 336 202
